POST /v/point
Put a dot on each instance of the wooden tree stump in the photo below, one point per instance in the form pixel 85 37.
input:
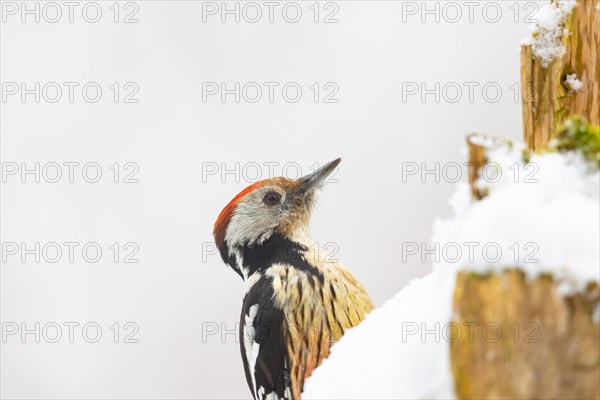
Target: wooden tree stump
pixel 478 144
pixel 477 159
pixel 547 99
pixel 523 340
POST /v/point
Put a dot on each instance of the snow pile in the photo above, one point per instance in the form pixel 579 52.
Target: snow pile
pixel 542 215
pixel 574 83
pixel 401 350
pixel 546 36
pixel 387 356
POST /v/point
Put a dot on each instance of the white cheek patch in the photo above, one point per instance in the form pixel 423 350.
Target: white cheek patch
pixel 252 222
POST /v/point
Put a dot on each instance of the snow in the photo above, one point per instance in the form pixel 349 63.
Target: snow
pixel 482 140
pixel 385 357
pixel 549 207
pixel 546 37
pixel 574 83
pixel 553 201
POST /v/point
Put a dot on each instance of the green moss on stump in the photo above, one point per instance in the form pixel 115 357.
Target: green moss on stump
pixel 579 135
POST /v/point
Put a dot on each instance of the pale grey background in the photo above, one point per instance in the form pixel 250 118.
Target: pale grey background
pixel 171 292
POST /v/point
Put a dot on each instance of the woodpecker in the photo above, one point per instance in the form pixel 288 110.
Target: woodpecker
pixel 297 303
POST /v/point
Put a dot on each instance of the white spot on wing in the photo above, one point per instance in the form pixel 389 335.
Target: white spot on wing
pixel 255 350
pixel 250 347
pixel 271 396
pixel 260 394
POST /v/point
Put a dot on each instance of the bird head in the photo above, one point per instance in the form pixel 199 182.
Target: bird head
pixel 272 206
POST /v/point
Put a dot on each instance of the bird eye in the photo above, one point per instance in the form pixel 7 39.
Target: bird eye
pixel 271 198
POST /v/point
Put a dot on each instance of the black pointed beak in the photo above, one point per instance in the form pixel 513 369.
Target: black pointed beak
pixel 313 181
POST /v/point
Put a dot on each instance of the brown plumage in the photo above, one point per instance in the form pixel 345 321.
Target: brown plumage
pixel 317 314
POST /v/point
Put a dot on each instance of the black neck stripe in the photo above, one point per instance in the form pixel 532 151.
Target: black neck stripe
pixel 275 250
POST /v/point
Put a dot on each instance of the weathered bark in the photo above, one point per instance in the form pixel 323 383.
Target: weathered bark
pixel 523 340
pixel 477 159
pixel 547 100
